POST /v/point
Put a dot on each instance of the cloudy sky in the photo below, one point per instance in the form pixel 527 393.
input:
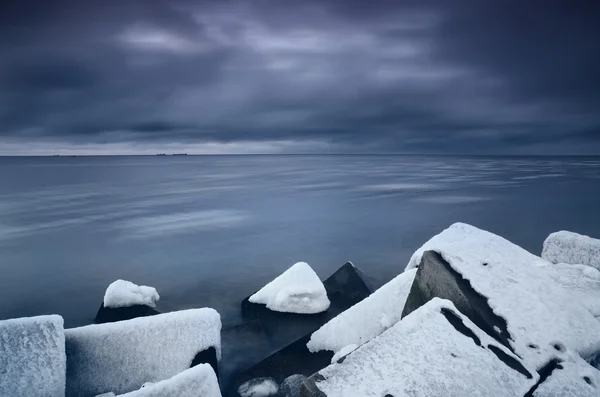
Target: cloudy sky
pixel 303 76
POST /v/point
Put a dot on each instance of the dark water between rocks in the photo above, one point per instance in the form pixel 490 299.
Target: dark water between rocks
pixel 210 230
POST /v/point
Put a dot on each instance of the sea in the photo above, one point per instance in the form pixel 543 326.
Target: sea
pixel 207 231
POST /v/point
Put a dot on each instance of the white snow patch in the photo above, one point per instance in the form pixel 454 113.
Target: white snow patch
pixel 581 282
pixel 344 351
pixel 573 248
pixel 260 387
pixel 366 319
pixel 576 378
pixel 199 381
pixel 423 355
pixel 32 357
pixel 536 308
pixel 122 356
pixel 122 293
pixel 297 290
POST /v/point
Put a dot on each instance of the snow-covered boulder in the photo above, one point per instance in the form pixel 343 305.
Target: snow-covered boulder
pixel 199 381
pixel 573 248
pixel 581 282
pixel 122 356
pixel 297 290
pixel 569 376
pixel 125 300
pixel 367 319
pixel 502 288
pixel 32 357
pixel 122 293
pixel 435 351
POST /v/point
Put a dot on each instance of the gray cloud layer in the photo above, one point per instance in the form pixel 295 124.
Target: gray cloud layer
pixel 274 75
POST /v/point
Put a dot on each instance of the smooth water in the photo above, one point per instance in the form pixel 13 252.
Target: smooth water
pixel 209 230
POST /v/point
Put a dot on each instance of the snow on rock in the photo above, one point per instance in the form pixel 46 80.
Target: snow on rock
pixel 481 242
pixel 297 290
pixel 571 377
pixel 124 293
pixel 259 387
pixel 573 248
pixel 367 319
pixel 344 351
pixel 32 357
pixel 582 283
pixel 426 354
pixel 199 381
pixel 122 356
pixel 537 315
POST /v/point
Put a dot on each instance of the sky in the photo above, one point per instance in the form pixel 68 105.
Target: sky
pixel 303 76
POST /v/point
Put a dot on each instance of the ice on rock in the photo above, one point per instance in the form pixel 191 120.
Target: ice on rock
pixel 122 356
pixel 427 355
pixel 259 387
pixel 572 248
pixel 367 319
pixel 570 377
pixel 32 357
pixel 533 310
pixel 199 381
pixel 122 293
pixel 297 290
pixel 344 351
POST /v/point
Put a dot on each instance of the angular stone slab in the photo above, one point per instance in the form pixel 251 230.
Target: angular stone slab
pixel 113 314
pixel 505 291
pixel 120 357
pixel 32 357
pixel 435 351
pixel 366 319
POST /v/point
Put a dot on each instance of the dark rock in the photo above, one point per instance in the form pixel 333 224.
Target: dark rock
pixel 345 288
pixel 347 284
pixel 294 359
pixel 208 356
pixel 294 386
pixel 242 346
pixel 111 315
pixel 436 278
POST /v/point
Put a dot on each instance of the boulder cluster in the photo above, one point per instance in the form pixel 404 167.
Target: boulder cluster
pixel 472 314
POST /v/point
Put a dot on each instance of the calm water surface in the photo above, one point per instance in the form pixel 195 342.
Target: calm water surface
pixel 209 230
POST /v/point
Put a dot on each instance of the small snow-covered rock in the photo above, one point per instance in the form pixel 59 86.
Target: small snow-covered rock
pixel 505 290
pixel 297 290
pixel 259 387
pixel 32 357
pixel 199 381
pixel 122 293
pixel 122 356
pixel 366 319
pixel 435 351
pixel 572 248
pixel 570 377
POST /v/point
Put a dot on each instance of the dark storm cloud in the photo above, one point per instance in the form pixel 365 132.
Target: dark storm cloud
pixel 423 76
